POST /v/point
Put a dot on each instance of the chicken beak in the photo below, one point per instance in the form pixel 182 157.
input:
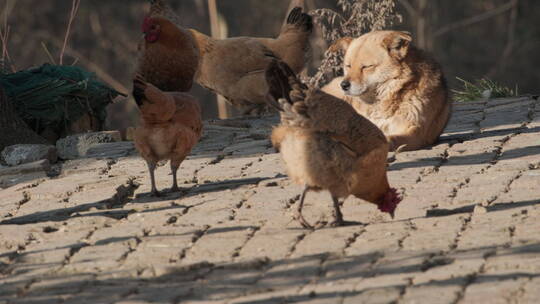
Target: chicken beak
pixel 392 214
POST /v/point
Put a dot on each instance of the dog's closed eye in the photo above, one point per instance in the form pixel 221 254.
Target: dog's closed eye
pixel 367 67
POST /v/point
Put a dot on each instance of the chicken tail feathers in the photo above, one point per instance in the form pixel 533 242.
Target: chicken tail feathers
pixel 139 88
pixel 286 93
pixel 283 83
pixel 300 19
pixel 277 77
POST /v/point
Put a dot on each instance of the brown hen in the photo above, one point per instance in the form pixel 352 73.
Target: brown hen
pixel 326 145
pixel 234 67
pixel 169 56
pixel 171 125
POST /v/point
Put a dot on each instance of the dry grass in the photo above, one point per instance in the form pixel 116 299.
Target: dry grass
pixel 355 18
pixel 6 63
pixel 482 89
pixel 74 9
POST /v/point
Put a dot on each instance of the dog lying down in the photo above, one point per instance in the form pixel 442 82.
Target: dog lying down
pixel 397 86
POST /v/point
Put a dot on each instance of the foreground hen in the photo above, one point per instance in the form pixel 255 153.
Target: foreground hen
pixel 171 125
pixel 326 145
pixel 234 67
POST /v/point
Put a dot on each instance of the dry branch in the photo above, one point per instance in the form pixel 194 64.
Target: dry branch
pixel 74 9
pixel 4 37
pixel 409 8
pixel 510 41
pixel 216 33
pixel 355 18
pixel 474 19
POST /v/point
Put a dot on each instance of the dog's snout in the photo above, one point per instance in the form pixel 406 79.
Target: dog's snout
pixel 345 85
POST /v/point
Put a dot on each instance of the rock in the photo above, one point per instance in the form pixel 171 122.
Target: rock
pixel 77 146
pixel 479 209
pixel 22 154
pixel 111 150
pixel 38 166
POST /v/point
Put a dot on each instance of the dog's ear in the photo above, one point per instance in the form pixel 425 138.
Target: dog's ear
pixel 341 45
pixel 397 44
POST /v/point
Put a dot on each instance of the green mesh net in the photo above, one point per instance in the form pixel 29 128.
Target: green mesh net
pixel 56 96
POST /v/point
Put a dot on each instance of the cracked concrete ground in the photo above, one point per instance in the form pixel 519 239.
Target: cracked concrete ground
pixel 468 230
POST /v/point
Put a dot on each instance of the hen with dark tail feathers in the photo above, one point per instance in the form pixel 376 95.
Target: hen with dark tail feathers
pixel 234 67
pixel 171 125
pixel 326 145
pixel 169 56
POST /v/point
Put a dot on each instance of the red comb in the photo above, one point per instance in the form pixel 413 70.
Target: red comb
pixel 147 24
pixel 390 201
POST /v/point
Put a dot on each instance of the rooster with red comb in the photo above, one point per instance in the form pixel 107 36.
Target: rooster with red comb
pixel 169 55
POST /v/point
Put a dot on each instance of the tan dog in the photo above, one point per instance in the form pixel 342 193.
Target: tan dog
pixel 397 86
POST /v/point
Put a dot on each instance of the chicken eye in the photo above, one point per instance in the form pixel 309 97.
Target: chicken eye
pixel 348 66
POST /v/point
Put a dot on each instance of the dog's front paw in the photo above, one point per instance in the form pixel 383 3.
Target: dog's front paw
pixel 396 144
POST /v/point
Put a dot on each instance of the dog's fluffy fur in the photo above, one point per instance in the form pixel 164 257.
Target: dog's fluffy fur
pixel 397 86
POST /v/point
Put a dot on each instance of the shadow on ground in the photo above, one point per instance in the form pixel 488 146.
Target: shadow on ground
pixel 112 207
pixel 272 281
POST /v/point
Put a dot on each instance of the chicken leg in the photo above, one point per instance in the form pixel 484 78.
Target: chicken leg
pixel 174 170
pixel 152 168
pixel 338 216
pixel 298 216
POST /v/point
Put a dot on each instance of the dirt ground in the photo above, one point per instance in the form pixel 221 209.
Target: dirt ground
pixel 467 231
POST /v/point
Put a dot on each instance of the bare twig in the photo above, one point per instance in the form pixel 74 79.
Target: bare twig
pixel 4 36
pixel 422 26
pixel 74 9
pixel 215 28
pixel 474 19
pixel 409 8
pixel 46 49
pixel 510 41
pixel 5 33
pixel 90 65
pixel 100 72
pixel 354 18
